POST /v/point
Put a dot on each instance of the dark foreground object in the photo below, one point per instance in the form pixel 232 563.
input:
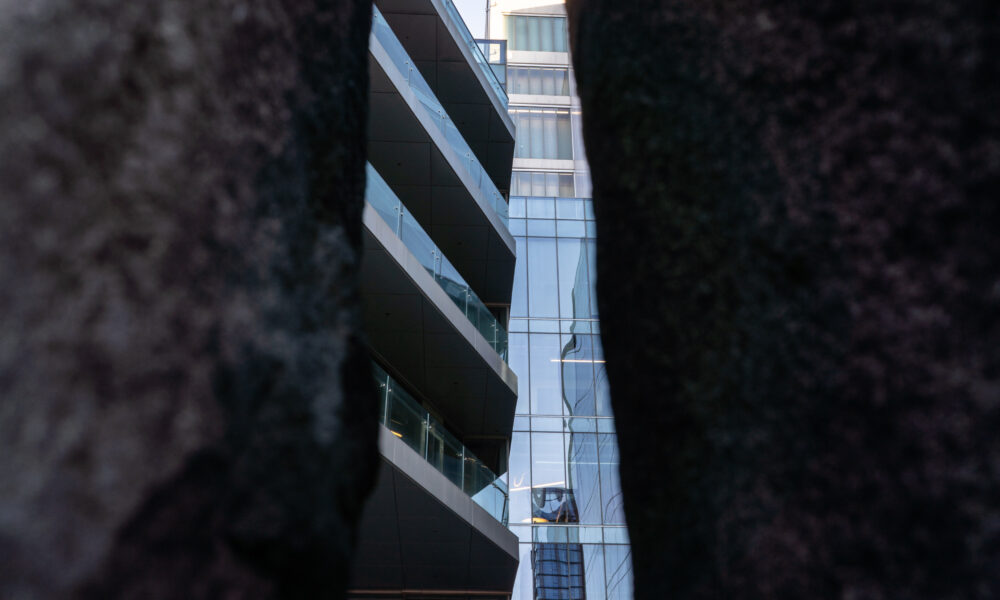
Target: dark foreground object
pixel 799 280
pixel 186 411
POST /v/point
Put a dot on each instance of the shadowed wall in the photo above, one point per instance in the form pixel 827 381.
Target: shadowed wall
pixel 799 287
pixel 186 406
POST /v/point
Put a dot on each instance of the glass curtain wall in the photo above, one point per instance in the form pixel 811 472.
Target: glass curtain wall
pixel 537 34
pixel 564 493
pixel 565 496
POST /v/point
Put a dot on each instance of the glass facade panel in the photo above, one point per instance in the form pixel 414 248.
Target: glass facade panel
pixel 531 183
pixel 543 133
pixel 539 81
pixel 519 364
pixel 543 297
pixel 618 571
pixel 537 34
pixel 546 375
pixel 519 477
pixel 548 472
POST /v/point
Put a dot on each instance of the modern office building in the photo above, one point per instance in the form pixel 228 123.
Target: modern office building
pixel 565 497
pixel 441 286
pixel 436 283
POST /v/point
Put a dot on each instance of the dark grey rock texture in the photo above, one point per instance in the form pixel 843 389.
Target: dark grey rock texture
pixel 185 404
pixel 798 211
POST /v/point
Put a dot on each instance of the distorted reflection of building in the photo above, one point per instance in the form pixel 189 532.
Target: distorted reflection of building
pixel 565 497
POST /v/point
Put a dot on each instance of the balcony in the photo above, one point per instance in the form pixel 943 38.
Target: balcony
pixel 437 518
pixel 424 320
pixel 447 55
pixel 419 150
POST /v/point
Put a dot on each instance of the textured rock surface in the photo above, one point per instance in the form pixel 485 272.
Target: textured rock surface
pixel 799 285
pixel 186 409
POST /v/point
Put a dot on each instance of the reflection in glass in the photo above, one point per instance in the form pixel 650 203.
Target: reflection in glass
pixel 537 34
pixel 519 477
pixel 543 81
pixel 543 297
pixel 553 505
pixel 611 491
pixel 584 476
pixel 519 296
pixel 519 364
pixel 574 284
pixel 558 571
pixel 546 374
pixel 618 571
pixel 548 465
pixel 593 569
pixel 543 133
pixel 527 183
pixel 578 375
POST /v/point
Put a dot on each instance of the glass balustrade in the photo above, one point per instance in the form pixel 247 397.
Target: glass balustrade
pixel 381 197
pixel 382 35
pixel 477 53
pixel 403 416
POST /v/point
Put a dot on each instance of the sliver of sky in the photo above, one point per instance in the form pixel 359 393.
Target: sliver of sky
pixel 474 13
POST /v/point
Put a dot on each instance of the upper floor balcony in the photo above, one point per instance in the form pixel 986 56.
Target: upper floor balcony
pixel 448 56
pixel 419 150
pixel 431 330
pixel 437 518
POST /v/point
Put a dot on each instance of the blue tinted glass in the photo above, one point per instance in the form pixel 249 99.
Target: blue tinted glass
pixel 574 285
pixel 611 492
pixel 592 272
pixel 578 375
pixel 593 571
pixel 519 477
pixel 519 297
pixel 543 299
pixel 541 208
pixel 518 362
pixel 546 392
pixel 544 326
pixel 618 572
pixel 570 228
pixel 516 206
pixel 570 208
pixel 518 227
pixel 584 474
pixel 548 464
pixel 518 325
pixel 541 227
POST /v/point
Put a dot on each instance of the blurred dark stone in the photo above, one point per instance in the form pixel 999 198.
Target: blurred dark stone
pixel 186 405
pixel 798 213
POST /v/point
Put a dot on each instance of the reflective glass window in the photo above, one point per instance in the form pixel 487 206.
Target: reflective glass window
pixel 546 384
pixel 543 297
pixel 618 572
pixel 569 208
pixel 541 227
pixel 519 297
pixel 584 475
pixel 541 208
pixel 584 188
pixel 519 477
pixel 548 464
pixel 575 229
pixel 518 361
pixel 611 492
pixel 538 81
pixel 574 284
pixel 537 34
pixel 543 133
pixel 578 375
pixel 531 183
